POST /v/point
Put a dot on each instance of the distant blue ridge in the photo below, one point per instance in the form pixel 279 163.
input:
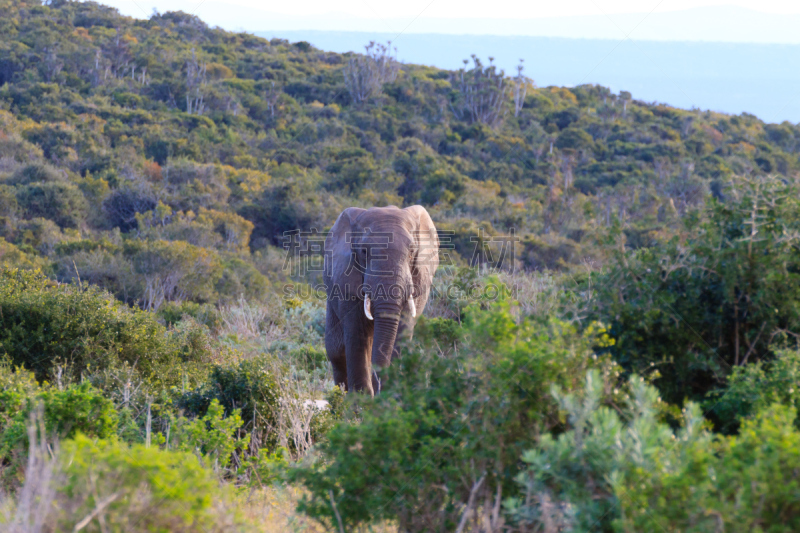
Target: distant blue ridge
pixel 760 79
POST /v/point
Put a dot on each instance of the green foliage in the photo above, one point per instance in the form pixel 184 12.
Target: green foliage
pixel 444 422
pixel 12 257
pixel 442 331
pixel 266 468
pixel 111 111
pixel 36 172
pixel 324 420
pixel 65 412
pixel 713 298
pixel 63 203
pixel 173 312
pixel 754 388
pixel 575 480
pixel 309 357
pixel 173 270
pixel 154 489
pixel 247 387
pixel 630 471
pixel 44 325
pixel 210 436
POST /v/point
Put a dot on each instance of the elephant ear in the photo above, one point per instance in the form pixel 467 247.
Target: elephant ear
pixel 338 252
pixel 426 259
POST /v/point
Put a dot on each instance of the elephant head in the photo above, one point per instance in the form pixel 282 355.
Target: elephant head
pixel 381 260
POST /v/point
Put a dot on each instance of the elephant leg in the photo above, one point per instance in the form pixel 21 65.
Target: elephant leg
pixel 335 348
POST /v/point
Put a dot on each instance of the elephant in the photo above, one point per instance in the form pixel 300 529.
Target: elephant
pixel 378 269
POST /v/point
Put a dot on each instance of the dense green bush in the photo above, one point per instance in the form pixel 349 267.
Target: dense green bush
pixel 248 387
pixel 66 412
pixel 213 436
pixel 173 312
pixel 143 489
pixel 630 471
pixel 753 388
pixel 83 329
pixel 443 332
pixel 61 202
pixel 443 423
pixel 720 295
pixel 309 357
pixel 123 204
pixel 36 172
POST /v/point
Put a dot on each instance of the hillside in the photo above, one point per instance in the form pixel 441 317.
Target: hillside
pixel 106 116
pixel 161 369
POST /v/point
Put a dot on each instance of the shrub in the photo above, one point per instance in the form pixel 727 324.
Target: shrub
pixel 753 388
pixel 61 202
pixel 173 312
pixel 8 202
pixel 571 480
pixel 75 409
pixel 266 468
pixel 172 270
pixel 210 436
pixel 39 234
pixel 286 208
pixel 240 279
pixel 43 325
pixel 447 430
pixel 442 332
pixel 36 172
pixel 122 205
pixel 248 387
pixel 140 488
pixel 309 357
pixel 631 471
pixel 13 257
pixel 718 296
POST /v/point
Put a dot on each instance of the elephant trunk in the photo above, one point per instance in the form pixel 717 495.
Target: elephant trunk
pixel 387 320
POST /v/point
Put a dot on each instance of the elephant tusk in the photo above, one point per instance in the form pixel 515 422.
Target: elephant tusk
pixel 366 307
pixel 413 307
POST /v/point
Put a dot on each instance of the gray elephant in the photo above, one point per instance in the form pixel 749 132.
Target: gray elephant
pixel 379 265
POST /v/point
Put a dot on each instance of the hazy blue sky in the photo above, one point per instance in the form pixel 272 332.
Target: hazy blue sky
pixel 765 21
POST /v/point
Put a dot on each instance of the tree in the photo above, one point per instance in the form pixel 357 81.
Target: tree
pixel 520 89
pixel 173 271
pixel 481 93
pixel 195 85
pixel 625 96
pixel 365 75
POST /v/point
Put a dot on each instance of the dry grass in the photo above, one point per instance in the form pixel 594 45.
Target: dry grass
pixel 270 328
pixel 272 510
pixel 30 509
pixel 250 321
pixel 538 293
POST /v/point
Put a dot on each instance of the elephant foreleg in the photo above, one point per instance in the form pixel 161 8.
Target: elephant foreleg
pixel 335 349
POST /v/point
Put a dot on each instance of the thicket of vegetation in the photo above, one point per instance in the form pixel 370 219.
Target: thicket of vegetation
pixel 637 369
